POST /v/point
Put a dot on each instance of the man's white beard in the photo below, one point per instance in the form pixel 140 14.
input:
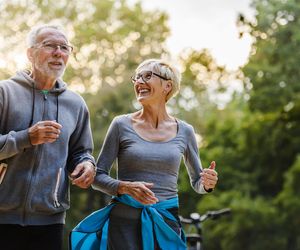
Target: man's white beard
pixel 45 70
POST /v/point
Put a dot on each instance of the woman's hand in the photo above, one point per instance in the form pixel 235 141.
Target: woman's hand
pixel 138 190
pixel 209 177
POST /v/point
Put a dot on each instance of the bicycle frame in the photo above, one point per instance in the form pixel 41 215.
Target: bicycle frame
pixel 194 240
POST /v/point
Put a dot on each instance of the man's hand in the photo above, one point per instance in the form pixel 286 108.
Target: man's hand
pixel 209 177
pixel 44 132
pixel 138 190
pixel 83 174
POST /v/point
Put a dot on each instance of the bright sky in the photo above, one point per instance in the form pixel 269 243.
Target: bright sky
pixel 207 24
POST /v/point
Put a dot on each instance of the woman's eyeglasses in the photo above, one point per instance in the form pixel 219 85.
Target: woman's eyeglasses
pixel 146 76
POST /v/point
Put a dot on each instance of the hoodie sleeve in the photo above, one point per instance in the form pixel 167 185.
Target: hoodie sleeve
pixel 13 142
pixel 81 142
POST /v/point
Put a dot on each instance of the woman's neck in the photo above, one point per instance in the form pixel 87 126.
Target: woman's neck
pixel 154 115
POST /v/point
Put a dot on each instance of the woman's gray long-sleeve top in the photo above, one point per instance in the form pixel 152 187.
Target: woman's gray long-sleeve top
pixel 142 160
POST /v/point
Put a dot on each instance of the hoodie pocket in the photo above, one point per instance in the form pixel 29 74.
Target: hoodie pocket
pixel 57 185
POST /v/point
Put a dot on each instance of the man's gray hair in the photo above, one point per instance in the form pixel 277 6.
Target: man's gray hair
pixel 36 30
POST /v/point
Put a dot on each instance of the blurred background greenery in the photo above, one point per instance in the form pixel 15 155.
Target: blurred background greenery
pixel 254 137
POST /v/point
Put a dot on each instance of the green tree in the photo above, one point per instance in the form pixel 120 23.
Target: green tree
pixel 289 206
pixel 258 142
pixel 255 140
pixel 272 83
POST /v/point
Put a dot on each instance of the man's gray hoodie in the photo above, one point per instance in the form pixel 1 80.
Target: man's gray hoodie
pixel 35 187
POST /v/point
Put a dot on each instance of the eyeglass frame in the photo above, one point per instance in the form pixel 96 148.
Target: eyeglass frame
pixel 57 45
pixel 134 80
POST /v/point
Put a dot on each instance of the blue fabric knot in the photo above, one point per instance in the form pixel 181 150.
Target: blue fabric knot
pixel 85 236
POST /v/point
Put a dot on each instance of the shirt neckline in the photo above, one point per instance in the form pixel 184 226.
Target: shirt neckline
pixel 129 116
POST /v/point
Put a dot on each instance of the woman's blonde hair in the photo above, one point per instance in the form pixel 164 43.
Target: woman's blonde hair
pixel 166 70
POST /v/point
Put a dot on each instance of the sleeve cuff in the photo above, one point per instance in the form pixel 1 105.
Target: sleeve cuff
pixel 22 139
pixel 204 191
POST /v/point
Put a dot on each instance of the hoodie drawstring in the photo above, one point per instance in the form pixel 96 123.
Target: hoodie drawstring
pixel 33 104
pixel 56 86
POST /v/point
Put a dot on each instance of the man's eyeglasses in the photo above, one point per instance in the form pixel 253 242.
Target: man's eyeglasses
pixel 146 76
pixel 51 47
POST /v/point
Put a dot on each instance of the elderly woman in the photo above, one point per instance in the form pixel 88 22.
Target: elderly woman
pixel 148 146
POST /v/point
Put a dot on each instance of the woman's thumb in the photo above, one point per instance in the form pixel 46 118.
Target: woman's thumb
pixel 212 165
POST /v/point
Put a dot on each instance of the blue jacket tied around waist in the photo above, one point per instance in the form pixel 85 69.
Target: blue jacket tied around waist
pixel 85 236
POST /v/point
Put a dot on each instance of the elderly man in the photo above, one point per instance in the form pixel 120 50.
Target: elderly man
pixel 45 139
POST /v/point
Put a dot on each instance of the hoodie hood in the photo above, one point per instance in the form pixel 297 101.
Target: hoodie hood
pixel 23 78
